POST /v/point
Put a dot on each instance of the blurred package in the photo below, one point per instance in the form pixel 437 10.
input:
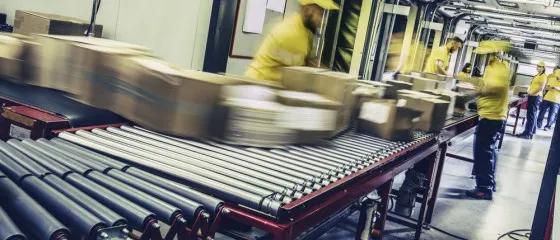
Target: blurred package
pixel 391 92
pixel 27 22
pixel 404 78
pixel 519 90
pixel 362 94
pixel 11 52
pixel 434 112
pixel 266 83
pixel 388 119
pixel 251 122
pixel 401 93
pixel 437 77
pixel 449 96
pixel 56 58
pixel 300 79
pixel 312 116
pixel 473 80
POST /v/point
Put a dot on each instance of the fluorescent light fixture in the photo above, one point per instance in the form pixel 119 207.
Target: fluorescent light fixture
pixel 512 17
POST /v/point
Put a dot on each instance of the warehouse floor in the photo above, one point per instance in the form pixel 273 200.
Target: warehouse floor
pixel 519 174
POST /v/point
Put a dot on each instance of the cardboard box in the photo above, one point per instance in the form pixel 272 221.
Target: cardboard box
pixel 312 116
pixel 446 95
pixel 421 84
pixel 11 53
pixel 363 94
pixel 388 120
pixel 27 22
pixel 251 123
pixel 55 59
pixel 437 77
pixel 434 112
pixel 473 80
pixel 400 93
pixel 301 79
pixel 391 92
pixel 404 78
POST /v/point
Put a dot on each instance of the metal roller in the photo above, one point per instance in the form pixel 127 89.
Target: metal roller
pixel 53 166
pixel 8 229
pixel 314 161
pixel 190 208
pixel 31 166
pixel 177 164
pixel 358 162
pixel 211 204
pixel 108 216
pixel 305 152
pixel 33 218
pixel 213 187
pixel 105 214
pixel 137 216
pixel 286 168
pixel 45 147
pixel 164 211
pixel 211 156
pixel 318 172
pixel 243 174
pixel 345 167
pixel 78 219
pixel 368 145
pixel 358 147
pixel 206 149
pixel 65 146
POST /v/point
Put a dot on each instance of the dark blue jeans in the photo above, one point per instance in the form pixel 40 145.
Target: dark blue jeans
pixel 486 136
pixel 552 109
pixel 532 109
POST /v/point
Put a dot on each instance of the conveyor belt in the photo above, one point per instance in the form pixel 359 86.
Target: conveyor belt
pixel 48 194
pixel 261 179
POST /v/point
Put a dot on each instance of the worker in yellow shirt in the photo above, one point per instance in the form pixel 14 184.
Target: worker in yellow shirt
pixel 492 104
pixel 551 102
pixel 438 62
pixel 289 43
pixel 536 91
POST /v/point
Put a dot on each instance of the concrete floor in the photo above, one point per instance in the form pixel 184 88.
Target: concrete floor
pixel 519 173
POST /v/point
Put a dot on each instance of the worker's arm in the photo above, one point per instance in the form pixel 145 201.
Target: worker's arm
pixel 439 67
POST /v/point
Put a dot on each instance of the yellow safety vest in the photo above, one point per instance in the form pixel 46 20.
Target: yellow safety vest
pixel 288 44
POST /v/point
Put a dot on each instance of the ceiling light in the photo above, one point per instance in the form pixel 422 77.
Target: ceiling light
pixel 512 17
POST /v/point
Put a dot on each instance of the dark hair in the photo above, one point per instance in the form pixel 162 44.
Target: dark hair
pixel 467 65
pixel 455 39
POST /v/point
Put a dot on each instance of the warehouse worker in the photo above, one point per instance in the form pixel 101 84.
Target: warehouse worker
pixel 492 105
pixel 466 72
pixel 289 43
pixel 438 62
pixel 551 102
pixel 535 98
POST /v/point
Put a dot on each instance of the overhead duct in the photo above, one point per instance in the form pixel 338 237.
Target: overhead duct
pixel 503 13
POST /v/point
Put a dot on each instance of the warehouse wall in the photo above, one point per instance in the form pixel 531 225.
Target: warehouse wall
pixel 175 29
pixel 238 66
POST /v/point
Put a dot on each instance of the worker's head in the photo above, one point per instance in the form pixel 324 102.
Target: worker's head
pixel 312 11
pixel 541 67
pixel 454 44
pixel 467 68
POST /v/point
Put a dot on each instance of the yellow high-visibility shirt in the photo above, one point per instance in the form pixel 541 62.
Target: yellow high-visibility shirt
pixel 493 101
pixel 553 95
pixel 288 44
pixel 438 54
pixel 463 75
pixel 536 83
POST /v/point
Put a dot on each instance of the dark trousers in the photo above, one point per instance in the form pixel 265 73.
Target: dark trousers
pixel 486 136
pixel 552 109
pixel 532 109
